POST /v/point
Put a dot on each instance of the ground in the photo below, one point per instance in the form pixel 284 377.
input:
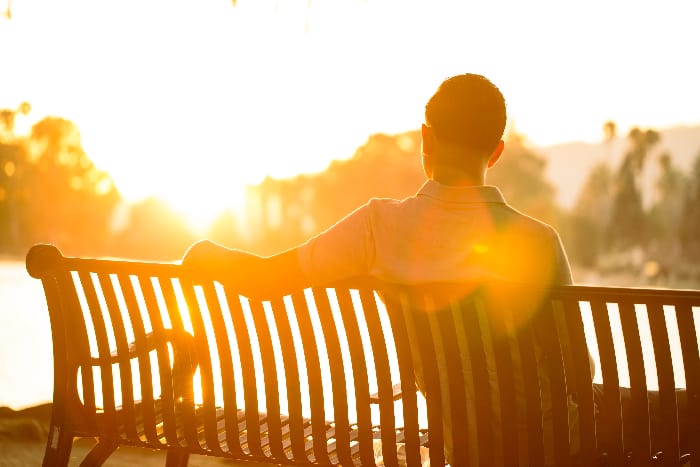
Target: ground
pixel 23 439
pixel 14 453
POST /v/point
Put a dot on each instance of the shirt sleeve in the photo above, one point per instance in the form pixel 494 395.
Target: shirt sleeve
pixel 342 251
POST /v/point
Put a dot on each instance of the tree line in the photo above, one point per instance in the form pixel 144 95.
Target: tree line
pixel 50 191
pixel 613 224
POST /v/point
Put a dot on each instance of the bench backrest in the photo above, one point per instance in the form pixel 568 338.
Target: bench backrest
pixel 644 339
pixel 147 347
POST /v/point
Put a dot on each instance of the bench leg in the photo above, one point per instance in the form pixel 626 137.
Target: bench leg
pixel 58 447
pixel 99 454
pixel 177 457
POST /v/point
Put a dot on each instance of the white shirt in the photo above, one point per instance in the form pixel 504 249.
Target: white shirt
pixel 442 233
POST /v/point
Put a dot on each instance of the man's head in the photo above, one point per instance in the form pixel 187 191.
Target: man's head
pixel 464 123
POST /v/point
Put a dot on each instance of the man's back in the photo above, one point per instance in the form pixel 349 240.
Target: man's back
pixel 442 233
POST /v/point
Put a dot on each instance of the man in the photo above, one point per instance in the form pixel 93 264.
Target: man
pixel 455 228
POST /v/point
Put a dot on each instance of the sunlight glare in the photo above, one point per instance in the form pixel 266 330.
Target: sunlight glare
pixel 201 98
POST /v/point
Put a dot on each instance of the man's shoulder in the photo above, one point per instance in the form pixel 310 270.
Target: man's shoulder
pixel 383 204
pixel 514 218
pixel 392 209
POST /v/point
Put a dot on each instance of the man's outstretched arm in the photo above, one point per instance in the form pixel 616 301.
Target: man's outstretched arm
pixel 252 274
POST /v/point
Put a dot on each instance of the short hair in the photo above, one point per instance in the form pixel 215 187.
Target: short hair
pixel 468 110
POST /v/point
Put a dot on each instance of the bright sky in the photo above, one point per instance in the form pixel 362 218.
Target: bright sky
pixel 191 99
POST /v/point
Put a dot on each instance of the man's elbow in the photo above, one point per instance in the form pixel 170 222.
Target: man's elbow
pixel 273 276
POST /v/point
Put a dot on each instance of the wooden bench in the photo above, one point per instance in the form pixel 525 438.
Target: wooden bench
pixel 146 354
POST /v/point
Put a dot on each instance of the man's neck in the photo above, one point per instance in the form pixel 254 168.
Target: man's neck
pixel 454 177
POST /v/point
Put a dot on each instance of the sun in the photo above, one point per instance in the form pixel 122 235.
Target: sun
pixel 193 119
pixel 198 198
pixel 202 210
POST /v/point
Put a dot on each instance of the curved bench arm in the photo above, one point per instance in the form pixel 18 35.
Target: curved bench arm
pixel 184 357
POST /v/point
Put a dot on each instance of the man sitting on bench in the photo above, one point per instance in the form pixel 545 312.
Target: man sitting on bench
pixel 455 228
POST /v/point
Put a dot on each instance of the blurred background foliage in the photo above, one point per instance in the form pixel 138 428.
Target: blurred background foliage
pixel 50 191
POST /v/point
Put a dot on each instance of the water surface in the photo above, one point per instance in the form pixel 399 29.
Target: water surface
pixel 26 359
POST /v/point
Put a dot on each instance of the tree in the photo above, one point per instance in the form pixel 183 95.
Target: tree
pixel 609 130
pixel 225 229
pixel 14 163
pixel 690 224
pixel 153 231
pixel 665 214
pixel 69 200
pixel 628 224
pixel 590 217
pixel 7 120
pixel 289 211
pixel 13 167
pixel 520 174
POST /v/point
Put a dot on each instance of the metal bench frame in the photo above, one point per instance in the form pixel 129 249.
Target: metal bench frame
pixel 147 354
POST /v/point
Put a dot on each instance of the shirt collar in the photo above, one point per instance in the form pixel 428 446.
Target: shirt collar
pixel 461 194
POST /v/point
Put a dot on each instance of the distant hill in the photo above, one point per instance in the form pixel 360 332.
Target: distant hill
pixel 569 164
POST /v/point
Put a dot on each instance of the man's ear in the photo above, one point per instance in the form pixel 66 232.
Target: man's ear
pixel 496 154
pixel 427 140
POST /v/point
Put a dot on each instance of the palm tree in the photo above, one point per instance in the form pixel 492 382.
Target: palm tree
pixel 609 135
pixel 609 130
pixel 628 226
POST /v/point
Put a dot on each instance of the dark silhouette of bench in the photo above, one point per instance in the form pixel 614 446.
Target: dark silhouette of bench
pixel 150 355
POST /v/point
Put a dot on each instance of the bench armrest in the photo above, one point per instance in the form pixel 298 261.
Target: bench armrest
pixel 133 352
pixel 184 357
pixel 182 342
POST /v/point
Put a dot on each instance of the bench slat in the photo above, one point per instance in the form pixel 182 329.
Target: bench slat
pixel 183 391
pixel 423 355
pixel 668 429
pixel 611 424
pixel 107 378
pixel 454 328
pixel 269 367
pixel 163 358
pixel 337 373
pixel 397 306
pixel 144 363
pixel 691 361
pixel 556 390
pixel 360 377
pixel 245 354
pixel 201 340
pixel 291 373
pixel 503 330
pixel 74 319
pixel 533 404
pixel 122 343
pixel 316 449
pixel 385 388
pixel 225 358
pixel 638 423
pixel 583 391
